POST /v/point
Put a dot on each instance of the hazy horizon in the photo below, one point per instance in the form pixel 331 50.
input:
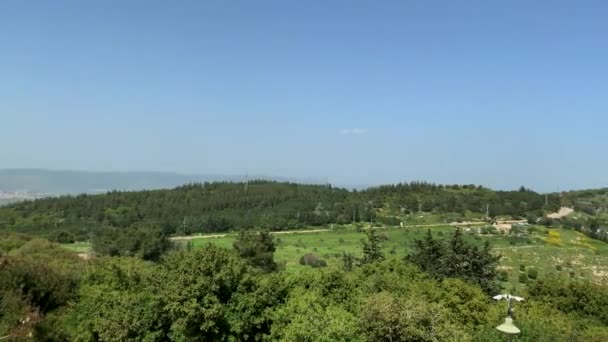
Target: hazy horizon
pixel 208 177
pixel 496 94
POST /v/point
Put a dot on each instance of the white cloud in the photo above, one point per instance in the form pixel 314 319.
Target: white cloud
pixel 354 131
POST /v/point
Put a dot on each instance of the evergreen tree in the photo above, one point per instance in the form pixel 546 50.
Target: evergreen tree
pixel 257 250
pixel 372 248
pixel 456 259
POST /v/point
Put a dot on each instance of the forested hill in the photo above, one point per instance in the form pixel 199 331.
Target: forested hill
pixel 223 206
pixel 591 201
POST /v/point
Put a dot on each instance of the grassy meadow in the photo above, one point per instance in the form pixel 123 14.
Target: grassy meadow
pixel 537 250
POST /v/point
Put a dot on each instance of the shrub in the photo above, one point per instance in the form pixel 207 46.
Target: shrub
pixel 532 273
pixel 341 241
pixel 62 237
pixel 257 250
pixel 558 268
pixel 554 238
pixel 312 260
pixel 523 277
pixel 348 261
pixel 522 268
pixel 503 276
pixel 146 241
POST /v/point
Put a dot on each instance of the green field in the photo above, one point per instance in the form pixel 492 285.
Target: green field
pixel 568 253
pixel 78 247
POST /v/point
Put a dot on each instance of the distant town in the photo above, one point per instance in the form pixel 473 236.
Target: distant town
pixel 21 195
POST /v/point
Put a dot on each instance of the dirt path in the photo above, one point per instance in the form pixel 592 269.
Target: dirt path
pixel 282 232
pixel 215 236
pixel 563 212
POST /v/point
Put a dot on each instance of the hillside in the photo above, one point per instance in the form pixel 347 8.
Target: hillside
pixel 224 206
pixel 590 201
pixel 347 281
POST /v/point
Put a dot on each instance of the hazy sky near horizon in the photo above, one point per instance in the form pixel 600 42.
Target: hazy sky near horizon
pixel 499 93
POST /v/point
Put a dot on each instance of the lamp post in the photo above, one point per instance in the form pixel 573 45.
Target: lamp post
pixel 508 327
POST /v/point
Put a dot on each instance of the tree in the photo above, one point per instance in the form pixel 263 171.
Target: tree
pixel 197 289
pixel 456 259
pixel 348 261
pixel 372 248
pixel 428 254
pixel 147 242
pixel 386 317
pixel 257 250
pixel 119 301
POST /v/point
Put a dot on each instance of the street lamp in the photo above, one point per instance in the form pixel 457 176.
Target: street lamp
pixel 508 328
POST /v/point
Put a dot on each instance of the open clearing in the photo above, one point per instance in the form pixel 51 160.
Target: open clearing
pixel 563 212
pixel 550 251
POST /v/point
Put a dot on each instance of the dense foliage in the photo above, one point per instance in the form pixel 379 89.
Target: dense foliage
pixel 420 196
pixel 143 241
pixel 48 294
pixel 197 208
pixel 257 249
pixel 219 207
pixel 456 259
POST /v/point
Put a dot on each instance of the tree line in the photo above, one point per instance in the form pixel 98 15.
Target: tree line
pixel 225 206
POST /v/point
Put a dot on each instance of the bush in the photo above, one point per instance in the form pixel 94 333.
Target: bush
pixel 312 260
pixel 257 250
pixel 145 241
pixel 523 278
pixel 532 273
pixel 389 221
pixel 341 241
pixel 503 276
pixel 488 230
pixel 554 238
pixel 62 237
pixel 558 268
pixel 522 268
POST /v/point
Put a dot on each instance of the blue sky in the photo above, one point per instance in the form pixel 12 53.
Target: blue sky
pixel 499 93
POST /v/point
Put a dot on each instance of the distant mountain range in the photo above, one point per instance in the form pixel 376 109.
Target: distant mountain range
pixel 19 184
